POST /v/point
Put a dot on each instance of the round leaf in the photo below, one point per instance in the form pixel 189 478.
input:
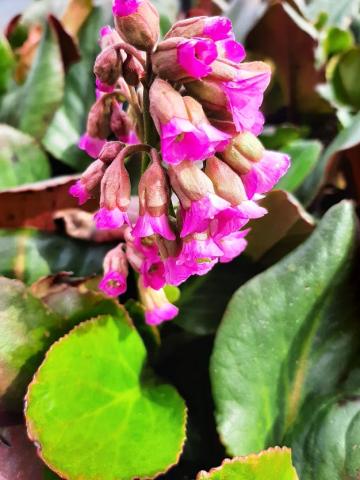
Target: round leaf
pixel 96 411
pixel 272 464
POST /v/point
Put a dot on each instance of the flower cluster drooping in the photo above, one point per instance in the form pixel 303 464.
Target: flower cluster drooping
pixel 190 106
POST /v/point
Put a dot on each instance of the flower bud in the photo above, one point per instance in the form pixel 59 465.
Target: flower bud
pixel 109 151
pixel 133 71
pixel 154 198
pixel 115 196
pixel 98 122
pixel 227 183
pixel 115 272
pixel 107 69
pixel 89 181
pixel 137 22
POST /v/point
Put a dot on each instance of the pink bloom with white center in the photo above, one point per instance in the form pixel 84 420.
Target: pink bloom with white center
pixel 123 8
pixel 265 173
pixel 232 245
pixel 113 284
pixel 196 56
pixel 91 145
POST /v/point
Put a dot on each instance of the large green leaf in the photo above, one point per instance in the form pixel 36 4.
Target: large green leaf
pixel 96 410
pixel 69 122
pixel 21 158
pixel 272 464
pixel 32 106
pixel 29 325
pixel 304 155
pixel 27 255
pixel 288 335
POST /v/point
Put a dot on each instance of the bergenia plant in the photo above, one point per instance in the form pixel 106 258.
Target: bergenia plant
pixel 190 105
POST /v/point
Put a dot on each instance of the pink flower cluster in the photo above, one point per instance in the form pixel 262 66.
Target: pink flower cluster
pixel 207 167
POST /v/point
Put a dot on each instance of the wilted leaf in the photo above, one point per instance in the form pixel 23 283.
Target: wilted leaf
pixel 29 325
pixel 289 336
pixel 35 205
pixel 109 393
pixel 21 159
pixel 293 58
pixel 272 464
pixel 285 226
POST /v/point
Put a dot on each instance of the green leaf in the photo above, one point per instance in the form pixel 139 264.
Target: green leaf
pixel 29 325
pixel 304 155
pixel 337 41
pixel 287 336
pixel 69 122
pixel 114 419
pixel 6 63
pixel 346 138
pixel 21 158
pixel 28 254
pixel 32 106
pixel 272 464
pixel 345 78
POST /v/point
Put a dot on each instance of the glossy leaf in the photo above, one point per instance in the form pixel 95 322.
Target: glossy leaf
pixel 288 335
pixel 21 158
pixel 28 254
pixel 304 155
pixel 272 464
pixel 116 421
pixel 29 325
pixel 69 122
pixel 345 78
pixel 32 106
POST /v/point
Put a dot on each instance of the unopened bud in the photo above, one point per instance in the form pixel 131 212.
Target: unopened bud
pixel 165 103
pixel 107 67
pixel 137 22
pixel 249 146
pixel 98 122
pixel 154 198
pixel 216 28
pixel 189 182
pixel 133 71
pixel 109 151
pixel 120 122
pixel 227 183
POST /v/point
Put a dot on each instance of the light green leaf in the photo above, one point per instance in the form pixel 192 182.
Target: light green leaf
pixel 69 122
pixel 28 254
pixel 288 335
pixel 272 464
pixel 337 41
pixel 29 325
pixel 21 158
pixel 114 419
pixel 6 63
pixel 304 155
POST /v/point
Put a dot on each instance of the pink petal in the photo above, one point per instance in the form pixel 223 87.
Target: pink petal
pixel 198 216
pixel 91 145
pixel 115 218
pixel 196 55
pixel 176 274
pixel 79 191
pixel 232 245
pixel 266 173
pixel 147 225
pixel 103 87
pixel 217 28
pixel 232 50
pixel 158 315
pixel 153 273
pixel 113 284
pixel 123 8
